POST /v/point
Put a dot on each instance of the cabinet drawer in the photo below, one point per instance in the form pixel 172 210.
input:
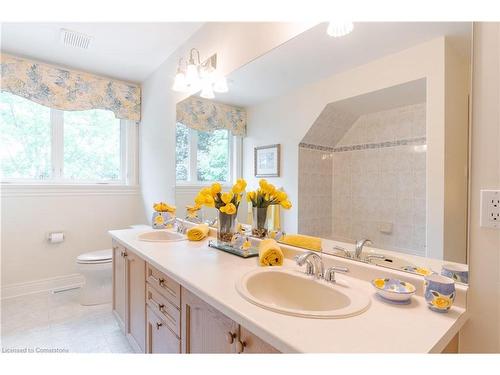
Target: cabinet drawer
pixel 160 339
pixel 164 309
pixel 167 287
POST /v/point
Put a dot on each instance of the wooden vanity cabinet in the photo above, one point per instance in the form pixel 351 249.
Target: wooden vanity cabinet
pixel 207 330
pixel 158 315
pixel 129 295
pixel 119 284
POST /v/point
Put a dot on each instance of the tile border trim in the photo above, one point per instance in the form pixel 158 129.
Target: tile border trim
pixel 367 146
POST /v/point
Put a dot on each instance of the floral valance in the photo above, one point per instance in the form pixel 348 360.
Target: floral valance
pixel 69 90
pixel 207 115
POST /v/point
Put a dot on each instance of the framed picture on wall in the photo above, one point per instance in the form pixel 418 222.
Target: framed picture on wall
pixel 267 161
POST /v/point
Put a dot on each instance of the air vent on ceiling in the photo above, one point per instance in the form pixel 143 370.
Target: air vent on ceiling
pixel 75 39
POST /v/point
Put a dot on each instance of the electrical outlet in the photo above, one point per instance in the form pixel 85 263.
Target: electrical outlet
pixel 490 209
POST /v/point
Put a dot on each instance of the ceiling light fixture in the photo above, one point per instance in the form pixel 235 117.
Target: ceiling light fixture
pixel 200 76
pixel 338 28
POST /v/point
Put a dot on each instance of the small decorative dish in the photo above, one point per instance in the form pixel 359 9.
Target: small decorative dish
pixel 418 270
pixel 394 290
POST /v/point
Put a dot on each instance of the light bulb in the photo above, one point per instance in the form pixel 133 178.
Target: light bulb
pixel 180 83
pixel 220 84
pixel 192 77
pixel 207 92
pixel 338 29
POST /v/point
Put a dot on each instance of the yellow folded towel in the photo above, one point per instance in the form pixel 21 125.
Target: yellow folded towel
pixel 270 253
pixel 198 232
pixel 299 240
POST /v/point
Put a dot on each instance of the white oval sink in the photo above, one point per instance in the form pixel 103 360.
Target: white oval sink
pixel 161 236
pixel 291 292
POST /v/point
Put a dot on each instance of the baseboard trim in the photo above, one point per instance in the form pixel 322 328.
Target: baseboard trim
pixel 43 285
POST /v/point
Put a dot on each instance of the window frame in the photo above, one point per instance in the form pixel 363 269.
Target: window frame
pixel 128 157
pixel 234 149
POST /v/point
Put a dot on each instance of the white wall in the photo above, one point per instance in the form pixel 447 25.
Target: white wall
pixel 235 44
pixel 482 332
pixel 291 116
pixel 85 217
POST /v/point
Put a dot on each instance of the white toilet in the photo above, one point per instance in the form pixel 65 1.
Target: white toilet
pixel 96 267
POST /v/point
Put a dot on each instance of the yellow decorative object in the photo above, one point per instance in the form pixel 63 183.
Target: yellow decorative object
pixel 270 253
pixel 67 89
pixel 207 115
pixel 163 207
pixel 442 302
pixel 198 232
pixel 246 245
pixel 159 220
pixel 379 283
pixel 300 240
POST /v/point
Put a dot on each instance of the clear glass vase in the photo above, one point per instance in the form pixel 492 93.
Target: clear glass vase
pixel 226 225
pixel 259 222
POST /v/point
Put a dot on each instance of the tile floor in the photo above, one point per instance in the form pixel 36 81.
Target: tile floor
pixel 57 321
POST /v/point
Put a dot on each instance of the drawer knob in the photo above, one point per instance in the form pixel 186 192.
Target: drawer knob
pixel 240 346
pixel 230 336
pixel 161 282
pixel 158 325
pixel 124 254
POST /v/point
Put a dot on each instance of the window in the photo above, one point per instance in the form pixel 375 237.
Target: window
pixel 203 157
pixel 41 144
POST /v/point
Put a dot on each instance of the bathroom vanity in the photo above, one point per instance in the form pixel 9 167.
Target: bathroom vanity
pixel 181 297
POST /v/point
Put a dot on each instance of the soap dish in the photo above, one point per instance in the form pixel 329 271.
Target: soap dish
pixel 244 253
pixel 394 290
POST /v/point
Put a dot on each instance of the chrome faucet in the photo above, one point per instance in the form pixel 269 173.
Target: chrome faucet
pixel 359 247
pixel 313 267
pixel 346 252
pixel 330 273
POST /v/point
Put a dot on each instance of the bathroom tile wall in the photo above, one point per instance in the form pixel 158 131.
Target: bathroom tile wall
pixel 315 192
pixel 379 179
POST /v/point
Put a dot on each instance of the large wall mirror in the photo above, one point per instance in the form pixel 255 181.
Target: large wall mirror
pixel 373 135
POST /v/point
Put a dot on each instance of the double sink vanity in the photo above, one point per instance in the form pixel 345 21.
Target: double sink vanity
pixel 171 295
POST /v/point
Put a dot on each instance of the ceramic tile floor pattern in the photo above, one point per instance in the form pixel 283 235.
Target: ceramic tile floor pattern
pixel 58 321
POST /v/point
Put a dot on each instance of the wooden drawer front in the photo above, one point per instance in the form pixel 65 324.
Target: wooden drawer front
pixel 167 287
pixel 159 338
pixel 164 309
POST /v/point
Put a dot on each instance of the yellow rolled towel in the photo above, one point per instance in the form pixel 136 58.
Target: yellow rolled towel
pixel 270 253
pixel 198 232
pixel 299 240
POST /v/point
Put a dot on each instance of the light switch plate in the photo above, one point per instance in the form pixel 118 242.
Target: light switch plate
pixel 490 209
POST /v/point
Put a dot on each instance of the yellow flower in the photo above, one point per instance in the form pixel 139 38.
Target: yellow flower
pixel 229 209
pixel 209 201
pixel 281 196
pixel 227 197
pixel 216 188
pixel 286 204
pixel 250 196
pixel 263 184
pixel 239 186
pixel 206 191
pixel 199 200
pixel 441 302
pixel 163 207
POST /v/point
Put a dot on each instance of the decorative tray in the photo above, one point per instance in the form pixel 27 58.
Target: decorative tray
pixel 244 253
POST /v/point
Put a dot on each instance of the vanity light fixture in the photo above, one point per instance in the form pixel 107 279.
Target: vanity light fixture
pixel 338 29
pixel 200 76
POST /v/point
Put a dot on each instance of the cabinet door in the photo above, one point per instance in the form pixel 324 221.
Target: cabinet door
pixel 205 329
pixel 159 338
pixel 248 343
pixel 119 283
pixel 136 301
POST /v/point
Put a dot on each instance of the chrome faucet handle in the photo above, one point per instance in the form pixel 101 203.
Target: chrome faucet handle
pixel 330 273
pixel 346 252
pixel 369 258
pixel 314 267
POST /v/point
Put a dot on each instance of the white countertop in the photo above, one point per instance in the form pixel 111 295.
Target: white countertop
pixel 212 274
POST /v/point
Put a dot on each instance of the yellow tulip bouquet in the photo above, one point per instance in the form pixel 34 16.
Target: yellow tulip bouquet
pixel 265 196
pixel 162 215
pixel 227 204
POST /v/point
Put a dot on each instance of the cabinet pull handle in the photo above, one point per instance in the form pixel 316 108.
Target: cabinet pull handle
pixel 161 308
pixel 161 283
pixel 124 254
pixel 230 336
pixel 158 325
pixel 240 346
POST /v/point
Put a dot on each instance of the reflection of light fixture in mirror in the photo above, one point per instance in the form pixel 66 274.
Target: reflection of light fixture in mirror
pixel 199 75
pixel 420 148
pixel 338 29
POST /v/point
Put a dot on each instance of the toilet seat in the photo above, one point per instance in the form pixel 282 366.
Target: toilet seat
pixel 95 257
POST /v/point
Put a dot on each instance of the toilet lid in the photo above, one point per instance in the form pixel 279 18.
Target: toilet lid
pixel 95 256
